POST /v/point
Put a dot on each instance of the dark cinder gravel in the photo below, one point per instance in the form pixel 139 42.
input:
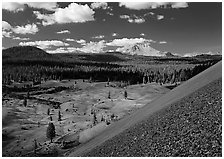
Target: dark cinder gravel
pixel 189 127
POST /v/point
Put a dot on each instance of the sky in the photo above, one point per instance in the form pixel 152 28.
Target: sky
pixel 177 27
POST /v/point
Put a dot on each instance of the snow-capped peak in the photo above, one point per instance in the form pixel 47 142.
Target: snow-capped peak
pixel 141 49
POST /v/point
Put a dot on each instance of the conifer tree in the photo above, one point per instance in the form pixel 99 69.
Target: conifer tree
pixel 109 95
pixel 125 94
pixel 25 102
pixel 48 111
pixel 51 131
pixel 59 115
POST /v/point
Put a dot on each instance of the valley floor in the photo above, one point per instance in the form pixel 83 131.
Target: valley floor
pixel 22 125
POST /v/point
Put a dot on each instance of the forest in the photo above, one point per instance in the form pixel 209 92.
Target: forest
pixel 35 65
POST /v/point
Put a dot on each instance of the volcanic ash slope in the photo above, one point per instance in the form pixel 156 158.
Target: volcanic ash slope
pixel 187 121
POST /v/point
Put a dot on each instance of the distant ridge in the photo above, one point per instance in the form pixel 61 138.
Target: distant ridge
pixel 23 52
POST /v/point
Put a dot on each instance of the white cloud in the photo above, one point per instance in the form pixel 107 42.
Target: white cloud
pixel 63 32
pixel 19 38
pixel 58 50
pixel 20 6
pixel 6 26
pixel 124 16
pixel 114 34
pixel 133 19
pixel 126 41
pixel 109 13
pixel 98 37
pixel 138 20
pixel 93 47
pixel 47 19
pixel 152 5
pixel 44 44
pixel 142 34
pixel 13 6
pixel 180 5
pixel 159 17
pixel 27 29
pixel 68 39
pixel 74 13
pixel 44 5
pixel 6 34
pixel 97 5
pixel 7 29
pixel 81 41
pixel 162 42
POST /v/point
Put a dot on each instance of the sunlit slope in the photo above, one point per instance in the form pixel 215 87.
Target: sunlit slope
pixel 187 88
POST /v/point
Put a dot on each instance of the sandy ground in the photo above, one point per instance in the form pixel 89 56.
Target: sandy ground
pixel 21 125
pixel 174 95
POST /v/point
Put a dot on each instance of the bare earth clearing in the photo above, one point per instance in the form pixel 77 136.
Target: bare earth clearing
pixel 21 125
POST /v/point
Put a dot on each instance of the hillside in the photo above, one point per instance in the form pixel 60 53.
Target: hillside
pixel 189 114
pixel 24 52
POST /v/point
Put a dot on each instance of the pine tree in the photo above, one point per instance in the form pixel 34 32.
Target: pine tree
pixel 35 146
pixel 102 119
pixel 25 102
pixel 28 95
pixel 125 94
pixel 48 111
pixel 94 119
pixel 109 95
pixel 51 131
pixel 59 115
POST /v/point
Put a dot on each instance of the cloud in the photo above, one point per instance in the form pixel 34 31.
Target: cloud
pixel 63 32
pixel 81 41
pixel 13 6
pixel 58 50
pixel 43 5
pixel 93 47
pixel 109 13
pixel 115 34
pixel 68 39
pixel 162 42
pixel 6 34
pixel 98 5
pixel 27 29
pixel 152 5
pixel 98 37
pixel 74 13
pixel 126 41
pixel 142 34
pixel 159 17
pixel 133 18
pixel 180 5
pixel 6 29
pixel 6 26
pixel 47 19
pixel 20 6
pixel 19 38
pixel 44 44
pixel 149 13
